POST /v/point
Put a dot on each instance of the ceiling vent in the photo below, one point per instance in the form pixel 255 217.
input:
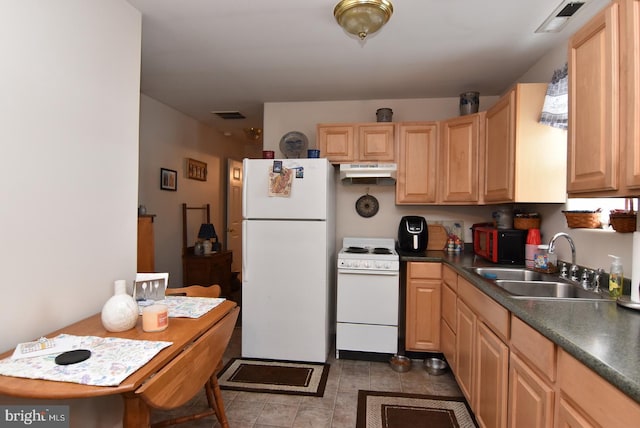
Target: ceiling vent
pixel 229 115
pixel 560 16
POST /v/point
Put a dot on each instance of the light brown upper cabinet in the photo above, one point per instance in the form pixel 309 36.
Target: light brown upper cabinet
pixel 416 180
pixel 524 160
pixel 604 103
pixel 460 159
pixel 357 142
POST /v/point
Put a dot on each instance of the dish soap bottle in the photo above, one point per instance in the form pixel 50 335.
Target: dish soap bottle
pixel 616 277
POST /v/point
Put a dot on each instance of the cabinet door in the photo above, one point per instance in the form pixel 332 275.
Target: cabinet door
pixel 499 150
pixel 417 163
pixel 376 143
pixel 460 158
pixel 570 417
pixel 530 398
pixel 491 376
pixel 465 340
pixel 630 93
pixel 423 315
pixel 594 123
pixel 337 142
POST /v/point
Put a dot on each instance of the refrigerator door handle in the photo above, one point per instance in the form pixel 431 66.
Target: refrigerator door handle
pixel 244 253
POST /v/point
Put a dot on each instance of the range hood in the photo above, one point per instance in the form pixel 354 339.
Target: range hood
pixel 383 174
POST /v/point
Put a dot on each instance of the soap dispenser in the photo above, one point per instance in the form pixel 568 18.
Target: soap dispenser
pixel 616 277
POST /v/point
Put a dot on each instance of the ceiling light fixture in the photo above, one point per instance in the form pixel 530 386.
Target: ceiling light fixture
pixel 362 17
pixel 253 134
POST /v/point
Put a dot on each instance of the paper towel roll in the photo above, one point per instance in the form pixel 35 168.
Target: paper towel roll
pixel 635 268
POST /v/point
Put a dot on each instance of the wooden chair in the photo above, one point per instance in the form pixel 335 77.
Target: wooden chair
pixel 185 380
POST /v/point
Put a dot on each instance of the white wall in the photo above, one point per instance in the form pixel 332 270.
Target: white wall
pixel 69 137
pixel 167 139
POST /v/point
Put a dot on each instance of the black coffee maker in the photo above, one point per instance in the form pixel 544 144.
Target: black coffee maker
pixel 413 234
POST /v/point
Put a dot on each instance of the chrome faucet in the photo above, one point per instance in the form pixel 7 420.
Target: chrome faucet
pixel 552 246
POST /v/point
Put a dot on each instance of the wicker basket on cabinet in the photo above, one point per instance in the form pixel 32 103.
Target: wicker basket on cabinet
pixel 583 219
pixel 624 221
pixel 526 221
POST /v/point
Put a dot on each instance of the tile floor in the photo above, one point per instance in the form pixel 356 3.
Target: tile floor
pixel 337 408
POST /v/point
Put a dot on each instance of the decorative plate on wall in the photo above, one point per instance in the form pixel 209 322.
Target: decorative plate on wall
pixel 294 145
pixel 367 206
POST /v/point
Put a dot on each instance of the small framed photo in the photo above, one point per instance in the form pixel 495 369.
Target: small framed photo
pixel 168 179
pixel 196 170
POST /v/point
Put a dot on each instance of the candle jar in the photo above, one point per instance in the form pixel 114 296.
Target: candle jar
pixel 155 318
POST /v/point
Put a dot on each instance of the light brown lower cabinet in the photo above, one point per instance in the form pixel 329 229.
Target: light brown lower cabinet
pixel 448 320
pixel 511 374
pixel 587 400
pixel 465 338
pixel 530 397
pixel 423 306
pixel 491 379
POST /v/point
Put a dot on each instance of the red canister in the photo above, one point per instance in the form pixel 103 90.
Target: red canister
pixel 530 249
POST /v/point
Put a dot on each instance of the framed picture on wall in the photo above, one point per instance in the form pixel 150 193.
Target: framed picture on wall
pixel 168 179
pixel 196 170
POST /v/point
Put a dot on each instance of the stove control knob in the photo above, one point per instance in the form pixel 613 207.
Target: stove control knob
pixel 378 265
pixel 365 264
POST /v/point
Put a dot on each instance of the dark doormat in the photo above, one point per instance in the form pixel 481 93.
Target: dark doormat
pixel 279 377
pixel 400 410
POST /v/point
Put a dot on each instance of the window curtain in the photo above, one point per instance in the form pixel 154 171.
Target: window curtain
pixel 555 111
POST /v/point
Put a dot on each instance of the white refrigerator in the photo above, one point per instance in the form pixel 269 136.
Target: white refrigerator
pixel 289 261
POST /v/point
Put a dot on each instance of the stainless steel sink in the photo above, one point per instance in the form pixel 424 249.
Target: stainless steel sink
pixel 515 274
pixel 523 283
pixel 547 289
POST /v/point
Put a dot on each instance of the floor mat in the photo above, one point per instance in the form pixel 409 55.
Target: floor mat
pixel 280 377
pixel 399 410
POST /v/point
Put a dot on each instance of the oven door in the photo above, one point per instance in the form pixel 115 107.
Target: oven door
pixel 368 298
pixel 367 311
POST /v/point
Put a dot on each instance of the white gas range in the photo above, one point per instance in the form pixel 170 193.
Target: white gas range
pixel 367 296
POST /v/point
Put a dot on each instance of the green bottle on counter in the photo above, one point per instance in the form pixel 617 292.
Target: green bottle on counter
pixel 616 277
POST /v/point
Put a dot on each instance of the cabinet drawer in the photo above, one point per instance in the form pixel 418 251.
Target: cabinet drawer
pixel 487 309
pixel 424 270
pixel 449 302
pixel 539 351
pixel 584 388
pixel 450 277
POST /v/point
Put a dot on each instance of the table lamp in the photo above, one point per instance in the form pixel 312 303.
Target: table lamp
pixel 206 234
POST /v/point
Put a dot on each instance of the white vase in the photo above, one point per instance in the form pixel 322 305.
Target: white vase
pixel 120 312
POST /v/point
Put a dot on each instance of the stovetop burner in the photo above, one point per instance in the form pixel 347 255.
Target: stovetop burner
pixel 381 250
pixel 356 250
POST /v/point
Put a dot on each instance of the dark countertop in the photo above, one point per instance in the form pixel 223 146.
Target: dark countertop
pixel 600 334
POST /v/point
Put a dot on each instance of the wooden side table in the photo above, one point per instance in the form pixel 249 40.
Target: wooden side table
pixel 207 270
